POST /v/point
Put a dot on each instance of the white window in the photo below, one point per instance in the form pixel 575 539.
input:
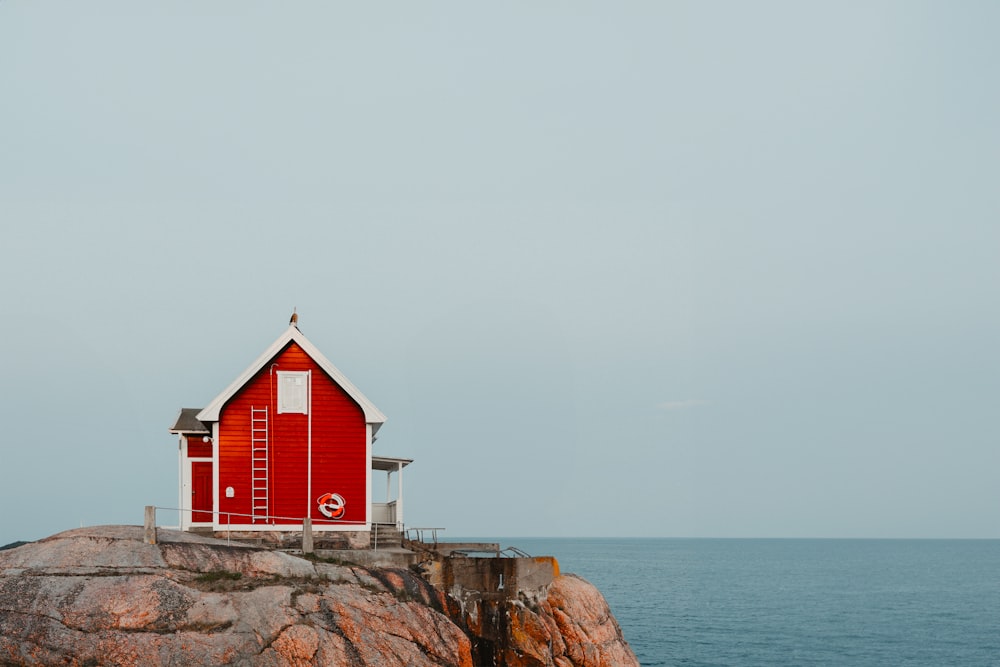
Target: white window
pixel 293 392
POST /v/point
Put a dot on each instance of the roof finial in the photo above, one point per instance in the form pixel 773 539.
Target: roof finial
pixel 293 321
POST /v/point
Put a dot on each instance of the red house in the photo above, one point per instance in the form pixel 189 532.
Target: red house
pixel 290 438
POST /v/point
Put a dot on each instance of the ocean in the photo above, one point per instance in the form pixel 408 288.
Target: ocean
pixel 785 602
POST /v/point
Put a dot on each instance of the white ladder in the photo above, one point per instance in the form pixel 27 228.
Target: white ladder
pixel 258 458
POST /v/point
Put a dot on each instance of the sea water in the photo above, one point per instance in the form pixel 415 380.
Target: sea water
pixel 795 601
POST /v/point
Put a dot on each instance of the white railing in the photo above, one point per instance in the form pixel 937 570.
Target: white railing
pixel 384 512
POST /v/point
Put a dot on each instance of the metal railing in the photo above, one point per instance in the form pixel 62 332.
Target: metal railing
pixel 305 522
pixel 419 532
pixel 514 552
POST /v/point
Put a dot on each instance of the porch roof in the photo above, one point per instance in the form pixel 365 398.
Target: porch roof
pixel 389 463
pixel 187 422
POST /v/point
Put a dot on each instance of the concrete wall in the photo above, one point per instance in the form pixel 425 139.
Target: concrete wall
pixel 484 588
pixel 467 579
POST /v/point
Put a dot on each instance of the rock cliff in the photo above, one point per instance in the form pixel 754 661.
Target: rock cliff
pixel 101 596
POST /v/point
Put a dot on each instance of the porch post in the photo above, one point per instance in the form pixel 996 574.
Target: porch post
pixel 399 495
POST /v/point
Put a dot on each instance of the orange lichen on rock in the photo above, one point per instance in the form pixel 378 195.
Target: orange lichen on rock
pixel 572 626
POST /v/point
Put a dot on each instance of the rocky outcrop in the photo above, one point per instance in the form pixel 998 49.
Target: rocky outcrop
pixel 572 623
pixel 101 596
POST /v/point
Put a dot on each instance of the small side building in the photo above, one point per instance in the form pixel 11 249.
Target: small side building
pixel 291 437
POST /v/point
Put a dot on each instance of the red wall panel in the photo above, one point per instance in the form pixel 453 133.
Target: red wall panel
pixel 338 447
pixel 198 448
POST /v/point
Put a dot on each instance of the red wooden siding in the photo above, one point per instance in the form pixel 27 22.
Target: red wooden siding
pixel 198 448
pixel 339 463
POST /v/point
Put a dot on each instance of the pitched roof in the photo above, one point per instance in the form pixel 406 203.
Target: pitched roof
pixel 187 422
pixel 372 414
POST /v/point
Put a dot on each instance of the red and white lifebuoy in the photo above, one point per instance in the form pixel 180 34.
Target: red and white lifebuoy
pixel 331 505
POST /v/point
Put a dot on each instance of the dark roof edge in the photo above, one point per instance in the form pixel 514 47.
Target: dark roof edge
pixel 187 422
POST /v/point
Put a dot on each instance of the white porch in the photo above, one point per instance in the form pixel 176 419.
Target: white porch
pixel 389 512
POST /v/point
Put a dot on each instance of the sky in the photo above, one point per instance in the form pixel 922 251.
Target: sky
pixel 679 269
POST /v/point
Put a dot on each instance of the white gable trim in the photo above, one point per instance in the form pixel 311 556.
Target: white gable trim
pixel 373 415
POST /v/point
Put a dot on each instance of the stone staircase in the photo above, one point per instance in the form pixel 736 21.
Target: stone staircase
pixel 385 536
